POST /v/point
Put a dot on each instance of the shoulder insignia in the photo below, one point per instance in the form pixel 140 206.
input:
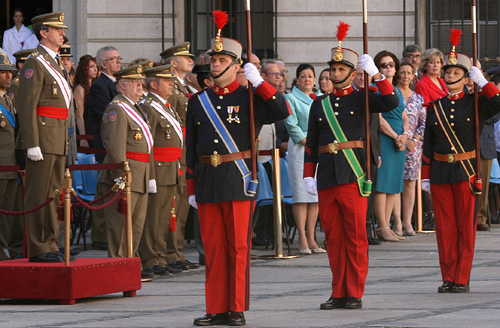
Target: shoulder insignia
pixel 11 96
pixel 112 117
pixel 16 79
pixel 35 54
pixel 28 73
pixel 116 101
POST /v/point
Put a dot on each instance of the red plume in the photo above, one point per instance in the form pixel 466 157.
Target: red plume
pixel 455 35
pixel 342 29
pixel 220 18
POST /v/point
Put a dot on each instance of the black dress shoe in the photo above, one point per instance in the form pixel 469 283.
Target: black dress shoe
pixel 459 288
pixel 72 252
pixel 353 303
pixel 333 303
pixel 99 246
pixel 192 265
pixel 256 241
pixel 446 287
pixel 373 241
pixel 61 255
pixel 17 257
pixel 212 319
pixel 180 265
pixel 47 257
pixel 171 269
pixel 146 276
pixel 157 270
pixel 237 319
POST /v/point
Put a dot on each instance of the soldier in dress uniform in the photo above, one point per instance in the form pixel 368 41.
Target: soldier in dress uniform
pixel 21 57
pixel 167 151
pixel 335 141
pixel 127 137
pixel 218 177
pixel 449 143
pixel 182 62
pixel 43 103
pixel 8 180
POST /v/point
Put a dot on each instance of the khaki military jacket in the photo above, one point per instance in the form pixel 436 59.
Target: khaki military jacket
pixel 37 87
pixel 179 100
pixel 121 135
pixel 164 135
pixel 7 142
pixel 12 91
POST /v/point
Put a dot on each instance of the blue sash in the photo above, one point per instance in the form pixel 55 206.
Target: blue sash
pixel 250 186
pixel 10 117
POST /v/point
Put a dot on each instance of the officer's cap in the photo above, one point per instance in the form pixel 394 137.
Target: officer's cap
pixel 160 71
pixel 347 57
pixel 133 72
pixel 177 50
pixel 22 55
pixel 65 50
pixel 5 63
pixel 455 59
pixel 52 19
pixel 227 47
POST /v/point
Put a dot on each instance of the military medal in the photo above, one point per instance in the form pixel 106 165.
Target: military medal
pixel 236 110
pixel 2 124
pixel 54 91
pixel 168 134
pixel 230 118
pixel 138 136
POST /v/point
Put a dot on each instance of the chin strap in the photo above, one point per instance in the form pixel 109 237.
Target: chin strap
pixel 348 75
pixel 451 83
pixel 224 71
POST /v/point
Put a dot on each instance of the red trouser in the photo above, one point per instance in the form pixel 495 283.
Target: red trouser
pixel 342 212
pixel 227 236
pixel 455 216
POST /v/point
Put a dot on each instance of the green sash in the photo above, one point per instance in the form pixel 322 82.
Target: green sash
pixel 365 186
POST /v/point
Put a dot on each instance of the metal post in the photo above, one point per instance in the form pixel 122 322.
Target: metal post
pixel 419 202
pixel 67 215
pixel 278 220
pixel 128 218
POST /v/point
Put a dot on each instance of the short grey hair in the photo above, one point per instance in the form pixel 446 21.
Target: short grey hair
pixel 168 60
pixel 280 62
pixel 100 56
pixel 411 48
pixel 267 62
pixel 151 79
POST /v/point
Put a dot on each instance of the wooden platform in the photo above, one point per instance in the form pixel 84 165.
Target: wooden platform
pixel 85 277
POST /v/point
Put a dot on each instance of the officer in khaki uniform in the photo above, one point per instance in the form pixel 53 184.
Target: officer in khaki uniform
pixel 182 62
pixel 21 57
pixel 127 137
pixel 43 103
pixel 8 180
pixel 167 151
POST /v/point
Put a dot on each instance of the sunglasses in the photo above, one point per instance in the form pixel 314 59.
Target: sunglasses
pixel 385 65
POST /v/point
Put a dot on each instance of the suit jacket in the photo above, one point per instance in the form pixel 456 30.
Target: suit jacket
pixel 164 135
pixel 429 90
pixel 37 87
pixel 119 132
pixel 7 142
pixel 101 93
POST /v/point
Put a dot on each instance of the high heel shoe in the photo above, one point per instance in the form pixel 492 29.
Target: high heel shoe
pixel 398 234
pixel 305 251
pixel 382 238
pixel 409 233
pixel 318 250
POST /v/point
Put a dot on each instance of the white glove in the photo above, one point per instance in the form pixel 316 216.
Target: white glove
pixel 35 154
pixel 252 74
pixel 368 65
pixel 192 201
pixel 477 76
pixel 311 186
pixel 426 185
pixel 152 186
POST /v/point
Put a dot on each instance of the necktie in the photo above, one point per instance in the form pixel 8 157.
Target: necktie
pixel 57 60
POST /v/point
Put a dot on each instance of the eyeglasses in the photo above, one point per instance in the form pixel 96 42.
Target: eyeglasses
pixel 284 71
pixel 114 58
pixel 390 64
pixel 411 56
pixel 276 74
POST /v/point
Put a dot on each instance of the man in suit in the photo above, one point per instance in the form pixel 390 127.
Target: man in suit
pixel 8 180
pixel 182 63
pixel 412 53
pixel 101 92
pixel 43 105
pixel 127 137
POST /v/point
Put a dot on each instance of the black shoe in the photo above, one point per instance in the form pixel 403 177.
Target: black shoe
pixel 61 255
pixel 446 287
pixel 483 227
pixel 171 269
pixel 72 252
pixel 17 257
pixel 212 319
pixel 180 265
pixel 192 265
pixel 99 246
pixel 157 270
pixel 47 257
pixel 237 319
pixel 353 303
pixel 459 288
pixel 146 276
pixel 256 241
pixel 333 303
pixel 201 259
pixel 373 241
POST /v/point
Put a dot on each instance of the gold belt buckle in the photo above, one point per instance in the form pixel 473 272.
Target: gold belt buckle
pixel 333 147
pixel 451 158
pixel 215 159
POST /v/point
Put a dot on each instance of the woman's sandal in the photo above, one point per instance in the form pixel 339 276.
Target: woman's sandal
pixel 382 238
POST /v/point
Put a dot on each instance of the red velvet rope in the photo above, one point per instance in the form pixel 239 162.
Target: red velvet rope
pixel 99 199
pixel 99 207
pixel 14 213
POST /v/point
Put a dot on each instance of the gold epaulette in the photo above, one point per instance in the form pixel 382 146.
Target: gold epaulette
pixel 116 101
pixel 16 79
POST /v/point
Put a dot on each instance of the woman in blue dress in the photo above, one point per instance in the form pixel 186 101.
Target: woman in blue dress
pixel 394 126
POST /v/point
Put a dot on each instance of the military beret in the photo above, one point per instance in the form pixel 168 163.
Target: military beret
pixel 23 54
pixel 5 63
pixel 160 71
pixel 52 19
pixel 177 50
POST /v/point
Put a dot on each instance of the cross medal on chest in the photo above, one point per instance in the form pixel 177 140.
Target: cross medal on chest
pixel 230 111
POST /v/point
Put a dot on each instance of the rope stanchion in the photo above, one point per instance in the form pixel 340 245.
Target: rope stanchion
pixel 98 207
pixel 18 213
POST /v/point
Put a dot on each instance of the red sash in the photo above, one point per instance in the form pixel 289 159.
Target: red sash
pixel 141 157
pixel 53 112
pixel 167 154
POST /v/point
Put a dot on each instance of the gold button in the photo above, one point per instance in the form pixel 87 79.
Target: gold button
pixel 159 164
pixel 221 97
pixel 43 123
pixel 452 110
pixel 392 93
pixel 336 113
pixel 452 102
pixel 468 119
pixel 199 123
pixel 320 119
pixel 216 141
pixel 452 148
pixel 274 97
pixel 352 113
pixel 452 124
pixel 336 105
pixel 218 107
pixel 338 98
pixel 55 82
pixel 452 117
pixel 435 123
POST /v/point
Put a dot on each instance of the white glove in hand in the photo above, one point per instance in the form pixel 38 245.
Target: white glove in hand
pixel 192 201
pixel 252 75
pixel 311 186
pixel 152 186
pixel 477 76
pixel 368 65
pixel 426 185
pixel 35 154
